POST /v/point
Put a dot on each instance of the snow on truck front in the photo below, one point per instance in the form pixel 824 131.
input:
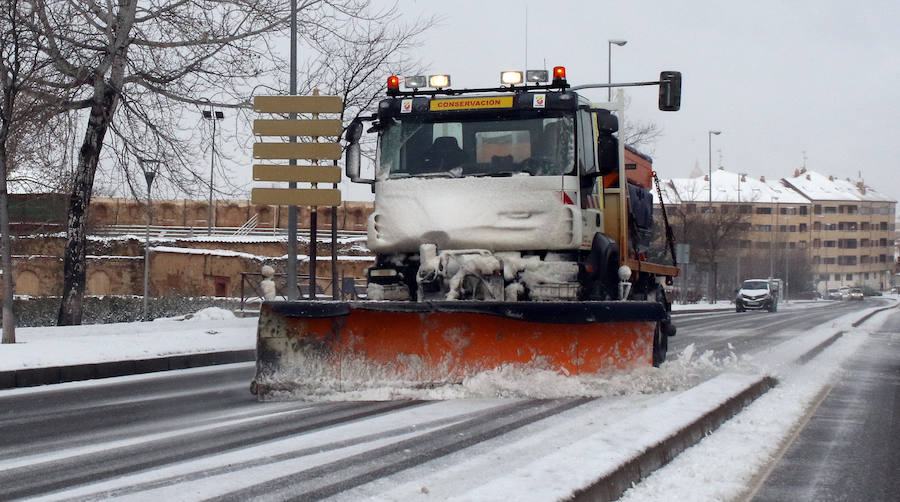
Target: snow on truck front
pixel 489 174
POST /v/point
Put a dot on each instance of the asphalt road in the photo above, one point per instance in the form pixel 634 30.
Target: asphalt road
pixel 752 331
pixel 73 434
pixel 850 448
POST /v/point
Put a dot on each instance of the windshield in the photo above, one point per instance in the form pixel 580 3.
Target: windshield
pixel 755 285
pixel 477 146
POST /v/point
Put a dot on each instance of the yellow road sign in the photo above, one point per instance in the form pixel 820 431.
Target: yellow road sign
pixel 307 174
pixel 298 104
pixel 318 151
pixel 325 127
pixel 296 196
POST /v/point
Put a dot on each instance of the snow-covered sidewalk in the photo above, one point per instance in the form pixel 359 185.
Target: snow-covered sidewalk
pixel 209 330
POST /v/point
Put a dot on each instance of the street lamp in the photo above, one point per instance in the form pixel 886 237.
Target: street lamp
pixel 212 115
pixel 709 144
pixel 774 238
pixel 609 45
pixel 149 175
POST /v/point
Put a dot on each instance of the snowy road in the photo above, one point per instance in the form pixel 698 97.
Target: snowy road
pixel 199 434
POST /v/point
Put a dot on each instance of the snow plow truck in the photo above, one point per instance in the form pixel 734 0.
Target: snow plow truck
pixel 506 231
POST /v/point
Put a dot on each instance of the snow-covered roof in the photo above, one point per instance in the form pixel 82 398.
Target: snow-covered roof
pixel 668 193
pixel 734 187
pixel 817 186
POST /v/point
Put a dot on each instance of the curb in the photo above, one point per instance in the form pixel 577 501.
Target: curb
pixel 870 314
pixel 613 485
pixel 31 377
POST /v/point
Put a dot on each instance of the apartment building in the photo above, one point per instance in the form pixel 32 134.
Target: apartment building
pixel 852 230
pixel 846 228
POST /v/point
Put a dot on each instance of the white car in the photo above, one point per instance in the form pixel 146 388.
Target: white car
pixel 756 294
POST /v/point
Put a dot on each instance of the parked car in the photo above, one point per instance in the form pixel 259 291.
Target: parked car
pixel 845 292
pixel 855 294
pixel 834 294
pixel 757 294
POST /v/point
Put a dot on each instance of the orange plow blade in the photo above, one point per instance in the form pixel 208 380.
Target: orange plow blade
pixel 303 346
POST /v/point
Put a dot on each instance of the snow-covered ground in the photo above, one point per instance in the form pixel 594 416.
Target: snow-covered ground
pixel 542 461
pixel 209 330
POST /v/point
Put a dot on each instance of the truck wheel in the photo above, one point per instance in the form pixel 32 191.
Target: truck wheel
pixel 660 346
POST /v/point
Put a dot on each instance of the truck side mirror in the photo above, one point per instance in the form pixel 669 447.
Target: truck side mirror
pixel 607 144
pixel 352 155
pixel 607 154
pixel 670 91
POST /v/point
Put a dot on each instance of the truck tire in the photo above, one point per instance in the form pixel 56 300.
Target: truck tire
pixel 660 346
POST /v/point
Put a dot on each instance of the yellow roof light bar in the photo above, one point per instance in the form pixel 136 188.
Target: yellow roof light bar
pixel 511 77
pixel 439 81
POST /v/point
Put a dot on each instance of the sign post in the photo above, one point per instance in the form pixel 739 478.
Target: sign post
pixel 311 174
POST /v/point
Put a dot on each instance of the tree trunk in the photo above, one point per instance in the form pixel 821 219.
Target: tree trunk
pixel 71 308
pixel 9 319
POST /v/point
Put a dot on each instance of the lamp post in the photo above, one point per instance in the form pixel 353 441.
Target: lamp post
pixel 709 144
pixel 212 115
pixel 774 238
pixel 149 175
pixel 609 45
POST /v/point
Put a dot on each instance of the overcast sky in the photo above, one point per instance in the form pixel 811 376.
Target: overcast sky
pixel 777 78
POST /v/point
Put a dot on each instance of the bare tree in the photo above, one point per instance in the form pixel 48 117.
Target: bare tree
pixel 638 134
pixel 709 229
pixel 20 116
pixel 140 68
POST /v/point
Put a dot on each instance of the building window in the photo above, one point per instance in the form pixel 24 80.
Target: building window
pixel 849 277
pixel 690 208
pixel 782 228
pixel 817 209
pixel 792 228
pixel 803 244
pixel 830 210
pixel 828 260
pixel 830 244
pixel 817 243
pixel 804 227
pixel 817 226
pixel 847 243
pixel 707 209
pixel 804 210
pixel 746 209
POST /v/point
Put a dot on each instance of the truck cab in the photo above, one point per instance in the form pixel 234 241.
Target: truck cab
pixel 498 194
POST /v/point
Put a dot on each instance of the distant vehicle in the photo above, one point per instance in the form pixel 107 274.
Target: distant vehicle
pixel 869 291
pixel 807 295
pixel 855 294
pixel 833 294
pixel 845 292
pixel 757 294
